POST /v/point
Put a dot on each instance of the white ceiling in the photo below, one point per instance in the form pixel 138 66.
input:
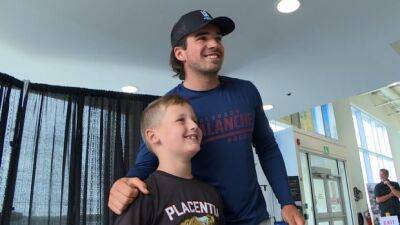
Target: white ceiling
pixel 324 51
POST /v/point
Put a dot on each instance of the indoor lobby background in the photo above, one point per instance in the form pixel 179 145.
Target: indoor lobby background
pixel 328 74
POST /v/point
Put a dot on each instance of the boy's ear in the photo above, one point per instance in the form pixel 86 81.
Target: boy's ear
pixel 180 54
pixel 152 136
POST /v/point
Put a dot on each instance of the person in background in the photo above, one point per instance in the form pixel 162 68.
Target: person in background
pixel 387 195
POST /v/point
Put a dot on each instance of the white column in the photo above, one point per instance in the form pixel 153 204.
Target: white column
pixel 347 137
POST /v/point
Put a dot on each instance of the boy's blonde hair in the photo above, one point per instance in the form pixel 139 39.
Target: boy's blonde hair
pixel 154 112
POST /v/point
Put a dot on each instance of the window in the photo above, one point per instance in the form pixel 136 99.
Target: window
pixel 319 119
pixel 374 147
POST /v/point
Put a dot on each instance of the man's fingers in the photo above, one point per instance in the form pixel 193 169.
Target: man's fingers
pixel 122 199
pixel 121 195
pixel 292 216
pixel 125 189
pixel 126 192
pixel 143 189
pixel 114 208
pixel 290 220
pixel 119 201
pixel 137 183
pixel 299 219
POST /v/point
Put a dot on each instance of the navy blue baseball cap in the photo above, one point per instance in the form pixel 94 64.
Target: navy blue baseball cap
pixel 195 20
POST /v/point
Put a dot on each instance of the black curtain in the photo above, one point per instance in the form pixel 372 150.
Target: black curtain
pixel 61 149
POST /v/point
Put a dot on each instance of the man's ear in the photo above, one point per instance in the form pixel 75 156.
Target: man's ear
pixel 152 136
pixel 180 54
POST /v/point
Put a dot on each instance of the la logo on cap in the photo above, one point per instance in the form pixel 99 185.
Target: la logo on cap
pixel 206 16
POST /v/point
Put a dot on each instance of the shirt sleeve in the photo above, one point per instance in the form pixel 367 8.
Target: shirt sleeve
pixel 140 212
pixel 377 191
pixel 269 155
pixel 146 162
pixel 396 186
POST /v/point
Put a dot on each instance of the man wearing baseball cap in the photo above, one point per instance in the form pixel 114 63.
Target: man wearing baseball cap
pixel 230 114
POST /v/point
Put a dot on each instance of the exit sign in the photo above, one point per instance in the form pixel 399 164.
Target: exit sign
pixel 326 150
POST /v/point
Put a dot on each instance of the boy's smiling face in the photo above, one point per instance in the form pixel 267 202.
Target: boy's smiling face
pixel 178 132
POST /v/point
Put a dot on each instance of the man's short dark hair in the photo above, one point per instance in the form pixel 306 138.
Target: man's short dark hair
pixel 385 171
pixel 177 65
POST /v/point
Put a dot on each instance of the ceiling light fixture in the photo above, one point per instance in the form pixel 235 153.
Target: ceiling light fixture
pixel 267 107
pixel 287 6
pixel 394 84
pixel 129 89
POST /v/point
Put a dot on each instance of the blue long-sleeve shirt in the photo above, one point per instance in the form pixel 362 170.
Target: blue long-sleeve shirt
pixel 232 120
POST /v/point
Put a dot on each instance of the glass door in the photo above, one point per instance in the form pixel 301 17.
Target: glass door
pixel 328 199
pixel 325 191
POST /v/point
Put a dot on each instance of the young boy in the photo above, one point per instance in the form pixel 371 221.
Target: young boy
pixel 169 128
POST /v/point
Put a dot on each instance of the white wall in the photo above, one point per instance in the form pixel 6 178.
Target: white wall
pixel 347 136
pixel 285 140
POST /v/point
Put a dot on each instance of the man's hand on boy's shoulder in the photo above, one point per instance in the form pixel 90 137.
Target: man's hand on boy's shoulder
pixel 292 216
pixel 123 192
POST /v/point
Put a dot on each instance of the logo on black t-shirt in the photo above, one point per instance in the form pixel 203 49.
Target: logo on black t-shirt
pixel 193 207
pixel 204 220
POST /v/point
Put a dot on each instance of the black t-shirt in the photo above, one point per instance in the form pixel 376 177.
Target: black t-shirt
pixel 392 205
pixel 174 200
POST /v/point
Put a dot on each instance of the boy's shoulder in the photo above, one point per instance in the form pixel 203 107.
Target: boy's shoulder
pixel 161 183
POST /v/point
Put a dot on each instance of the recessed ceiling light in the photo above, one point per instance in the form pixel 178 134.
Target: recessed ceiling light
pixel 129 89
pixel 394 84
pixel 268 107
pixel 287 6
